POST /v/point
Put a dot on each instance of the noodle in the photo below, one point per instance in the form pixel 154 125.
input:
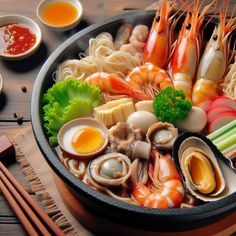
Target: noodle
pixel 229 84
pixel 102 56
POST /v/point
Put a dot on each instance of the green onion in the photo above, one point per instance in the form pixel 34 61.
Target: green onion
pixel 222 130
pixel 224 136
pixel 228 150
pixel 226 143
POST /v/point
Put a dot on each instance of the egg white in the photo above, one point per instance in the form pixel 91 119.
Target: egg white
pixel 68 136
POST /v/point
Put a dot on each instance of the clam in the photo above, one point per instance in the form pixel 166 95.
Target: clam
pixel 207 173
pixel 111 169
pixel 162 135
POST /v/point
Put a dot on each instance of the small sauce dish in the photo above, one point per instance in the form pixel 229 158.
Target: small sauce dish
pixel 20 37
pixel 60 15
pixel 83 138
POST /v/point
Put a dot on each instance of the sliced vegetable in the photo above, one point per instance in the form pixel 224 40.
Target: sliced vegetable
pixel 227 142
pixel 67 100
pixel 170 105
pixel 225 136
pixel 221 131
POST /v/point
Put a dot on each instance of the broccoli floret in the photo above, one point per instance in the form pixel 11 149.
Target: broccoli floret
pixel 170 105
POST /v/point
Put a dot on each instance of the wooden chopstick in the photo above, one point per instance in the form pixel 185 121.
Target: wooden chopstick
pixel 23 204
pixel 20 214
pixel 28 204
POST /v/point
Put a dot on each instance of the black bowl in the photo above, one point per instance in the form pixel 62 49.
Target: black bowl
pixel 118 211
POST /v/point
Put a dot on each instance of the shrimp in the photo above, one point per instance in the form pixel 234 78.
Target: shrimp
pixel 187 51
pixel 112 83
pixel 139 37
pixel 164 188
pixel 123 35
pixel 157 48
pixel 149 78
pixel 214 62
pixel 137 42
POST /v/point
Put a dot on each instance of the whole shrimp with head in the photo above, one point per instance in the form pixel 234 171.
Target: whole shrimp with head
pixel 214 62
pixel 157 47
pixel 187 51
pixel 164 188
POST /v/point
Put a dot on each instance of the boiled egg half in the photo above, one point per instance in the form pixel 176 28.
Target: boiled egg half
pixel 83 138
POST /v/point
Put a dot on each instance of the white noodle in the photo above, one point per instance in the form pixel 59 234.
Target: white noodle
pixel 101 56
pixel 229 84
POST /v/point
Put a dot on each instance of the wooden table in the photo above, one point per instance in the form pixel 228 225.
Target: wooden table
pixel 17 74
pixel 23 73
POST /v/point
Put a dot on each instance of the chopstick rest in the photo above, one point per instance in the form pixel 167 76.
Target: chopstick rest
pixel 6 147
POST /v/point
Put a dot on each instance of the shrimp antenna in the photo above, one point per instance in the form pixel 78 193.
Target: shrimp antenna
pixel 214 15
pixel 189 7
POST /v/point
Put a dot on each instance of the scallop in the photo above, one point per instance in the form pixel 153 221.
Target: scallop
pixel 83 138
pixel 195 121
pixel 205 171
pixel 142 120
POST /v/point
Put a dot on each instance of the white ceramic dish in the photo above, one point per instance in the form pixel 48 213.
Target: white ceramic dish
pixel 75 3
pixel 8 19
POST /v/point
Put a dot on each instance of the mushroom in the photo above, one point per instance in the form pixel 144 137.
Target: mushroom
pixel 141 150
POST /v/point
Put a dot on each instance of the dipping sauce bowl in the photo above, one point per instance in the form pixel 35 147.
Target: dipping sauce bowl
pixel 20 37
pixel 60 15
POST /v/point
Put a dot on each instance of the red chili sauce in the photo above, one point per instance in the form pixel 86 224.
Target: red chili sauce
pixel 16 39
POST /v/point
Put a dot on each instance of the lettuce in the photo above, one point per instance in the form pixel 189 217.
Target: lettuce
pixel 65 101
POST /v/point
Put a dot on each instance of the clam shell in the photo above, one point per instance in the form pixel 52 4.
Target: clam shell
pixel 164 143
pixel 225 176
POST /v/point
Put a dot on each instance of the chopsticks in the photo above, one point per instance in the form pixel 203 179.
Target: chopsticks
pixel 33 218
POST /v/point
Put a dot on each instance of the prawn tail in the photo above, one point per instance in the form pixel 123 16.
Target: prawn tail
pixel 139 95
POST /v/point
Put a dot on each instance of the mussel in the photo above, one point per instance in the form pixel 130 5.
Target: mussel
pixel 208 175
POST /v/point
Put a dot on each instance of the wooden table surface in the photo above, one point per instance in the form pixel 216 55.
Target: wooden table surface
pixel 23 73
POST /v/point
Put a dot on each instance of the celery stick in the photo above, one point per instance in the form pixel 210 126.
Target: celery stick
pixel 222 130
pixel 224 136
pixel 226 143
pixel 228 150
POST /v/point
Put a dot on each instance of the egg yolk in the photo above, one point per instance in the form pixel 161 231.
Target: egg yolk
pixel 87 140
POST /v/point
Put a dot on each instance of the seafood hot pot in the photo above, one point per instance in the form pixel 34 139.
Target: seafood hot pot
pixel 123 213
